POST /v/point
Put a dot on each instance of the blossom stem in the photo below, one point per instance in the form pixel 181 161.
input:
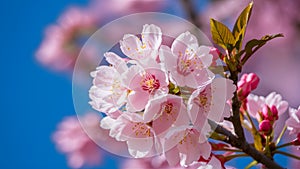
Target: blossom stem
pixel 287 154
pixel 230 157
pixel 254 130
pixel 228 149
pixel 284 145
pixel 267 147
pixel 253 163
pixel 245 146
pixel 281 134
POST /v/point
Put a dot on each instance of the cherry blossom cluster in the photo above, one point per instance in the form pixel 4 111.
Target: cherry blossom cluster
pixel 267 111
pixel 158 99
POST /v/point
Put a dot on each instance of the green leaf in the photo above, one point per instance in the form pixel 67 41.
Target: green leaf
pixel 221 35
pixel 253 163
pixel 253 45
pixel 257 141
pixel 240 25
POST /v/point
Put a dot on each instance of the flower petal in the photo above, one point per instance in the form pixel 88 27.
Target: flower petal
pixel 116 61
pixel 130 45
pixel 172 156
pixel 182 42
pixel 152 36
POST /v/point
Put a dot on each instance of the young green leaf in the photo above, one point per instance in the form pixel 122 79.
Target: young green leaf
pixel 253 45
pixel 240 25
pixel 221 35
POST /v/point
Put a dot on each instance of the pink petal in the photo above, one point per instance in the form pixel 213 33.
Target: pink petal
pixel 182 42
pixel 215 163
pixel 129 46
pixel 282 107
pixel 167 118
pixel 179 79
pixel 166 56
pixel 139 147
pixel 205 150
pixel 254 104
pixel 153 108
pixel 203 53
pixel 137 100
pixel 173 137
pixel 190 146
pixel 222 90
pixel 152 36
pixel 130 74
pixel 172 156
pixel 116 61
pixel 199 77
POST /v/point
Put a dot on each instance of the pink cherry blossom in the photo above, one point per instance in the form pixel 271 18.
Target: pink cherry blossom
pixel 210 102
pixel 131 128
pixel 144 49
pixel 293 122
pixel 186 62
pixel 164 112
pixel 142 132
pixel 71 139
pixel 190 145
pixel 143 84
pixel 255 104
pixel 108 94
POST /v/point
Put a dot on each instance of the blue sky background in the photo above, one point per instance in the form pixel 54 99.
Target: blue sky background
pixel 33 99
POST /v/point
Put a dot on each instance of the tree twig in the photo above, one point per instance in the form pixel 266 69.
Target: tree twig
pixel 191 12
pixel 246 147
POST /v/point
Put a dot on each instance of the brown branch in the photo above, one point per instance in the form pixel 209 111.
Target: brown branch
pixel 238 141
pixel 246 147
pixel 191 12
pixel 236 104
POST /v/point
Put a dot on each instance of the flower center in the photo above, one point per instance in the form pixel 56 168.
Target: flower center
pixel 188 62
pixel 141 129
pixel 203 100
pixel 150 83
pixel 168 107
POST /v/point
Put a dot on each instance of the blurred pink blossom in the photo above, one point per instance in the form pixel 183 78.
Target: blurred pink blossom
pixel 122 7
pixel 72 140
pixel 59 49
pixel 293 122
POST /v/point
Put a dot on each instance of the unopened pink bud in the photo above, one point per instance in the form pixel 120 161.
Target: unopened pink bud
pixel 247 83
pixel 253 79
pixel 244 89
pixel 270 113
pixel 274 112
pixel 266 111
pixel 266 127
